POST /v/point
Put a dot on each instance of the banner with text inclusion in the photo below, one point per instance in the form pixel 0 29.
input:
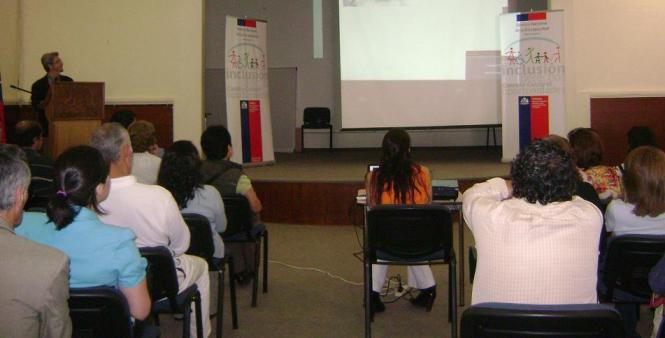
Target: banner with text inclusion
pixel 532 79
pixel 247 97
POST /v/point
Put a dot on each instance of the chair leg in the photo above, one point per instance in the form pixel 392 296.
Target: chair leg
pixel 220 300
pixel 199 315
pixel 265 261
pixel 232 291
pixel 330 148
pixel 186 320
pixel 255 282
pixel 453 298
pixel 368 304
pixel 302 139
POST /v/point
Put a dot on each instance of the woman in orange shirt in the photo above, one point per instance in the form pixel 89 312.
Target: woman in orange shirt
pixel 399 180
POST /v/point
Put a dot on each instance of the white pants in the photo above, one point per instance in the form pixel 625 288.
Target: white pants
pixel 419 276
pixel 195 271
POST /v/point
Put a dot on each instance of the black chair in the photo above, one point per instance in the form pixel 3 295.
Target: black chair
pixel 103 312
pixel 163 286
pixel 201 245
pixel 628 262
pixel 501 320
pixel 316 118
pixel 239 229
pixel 410 235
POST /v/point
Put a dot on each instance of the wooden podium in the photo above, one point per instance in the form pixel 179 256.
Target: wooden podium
pixel 74 110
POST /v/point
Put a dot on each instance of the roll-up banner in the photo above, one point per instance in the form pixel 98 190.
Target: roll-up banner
pixel 532 79
pixel 247 96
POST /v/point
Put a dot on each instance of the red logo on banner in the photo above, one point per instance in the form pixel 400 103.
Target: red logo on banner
pixel 540 120
pixel 255 131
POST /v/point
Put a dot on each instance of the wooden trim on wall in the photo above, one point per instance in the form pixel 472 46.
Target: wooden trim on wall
pixel 612 117
pixel 161 115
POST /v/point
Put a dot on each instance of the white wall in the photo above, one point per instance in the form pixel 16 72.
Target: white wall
pixel 145 51
pixel 615 48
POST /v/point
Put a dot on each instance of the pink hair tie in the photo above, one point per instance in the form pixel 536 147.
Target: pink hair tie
pixel 61 194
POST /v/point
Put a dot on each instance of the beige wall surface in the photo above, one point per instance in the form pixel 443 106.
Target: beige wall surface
pixel 614 48
pixel 145 51
pixel 152 51
pixel 9 48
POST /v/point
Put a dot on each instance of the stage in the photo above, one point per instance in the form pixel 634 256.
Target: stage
pixel 319 187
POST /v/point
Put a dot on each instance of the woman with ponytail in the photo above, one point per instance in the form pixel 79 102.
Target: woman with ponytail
pixel 100 254
pixel 399 180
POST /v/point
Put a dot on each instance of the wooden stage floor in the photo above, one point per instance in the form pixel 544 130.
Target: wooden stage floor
pixel 319 187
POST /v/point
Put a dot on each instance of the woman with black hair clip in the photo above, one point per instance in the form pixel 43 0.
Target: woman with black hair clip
pixel 100 254
pixel 399 180
pixel 180 174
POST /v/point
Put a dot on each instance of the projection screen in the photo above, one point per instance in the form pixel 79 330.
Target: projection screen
pixel 419 63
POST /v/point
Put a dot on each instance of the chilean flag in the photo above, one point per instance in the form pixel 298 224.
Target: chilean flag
pixel 247 23
pixel 3 123
pixel 533 119
pixel 532 16
pixel 250 125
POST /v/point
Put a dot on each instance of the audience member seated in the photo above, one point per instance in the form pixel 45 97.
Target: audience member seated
pixel 145 164
pixel 642 210
pixel 29 136
pixel 180 173
pixel 34 282
pixel 639 136
pixel 124 117
pixel 582 189
pixel 151 212
pixel 588 153
pixel 229 179
pixel 100 254
pixel 534 237
pixel 657 283
pixel 399 180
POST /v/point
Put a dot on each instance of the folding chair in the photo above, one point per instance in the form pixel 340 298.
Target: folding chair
pixel 502 320
pixel 163 286
pixel 201 245
pixel 240 229
pixel 410 235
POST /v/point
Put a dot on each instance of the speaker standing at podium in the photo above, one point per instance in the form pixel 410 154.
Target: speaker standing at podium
pixel 40 89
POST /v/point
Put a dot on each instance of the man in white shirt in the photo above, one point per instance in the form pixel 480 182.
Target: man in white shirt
pixel 537 243
pixel 151 212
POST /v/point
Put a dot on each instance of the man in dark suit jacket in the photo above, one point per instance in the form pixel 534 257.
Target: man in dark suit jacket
pixel 40 89
pixel 35 278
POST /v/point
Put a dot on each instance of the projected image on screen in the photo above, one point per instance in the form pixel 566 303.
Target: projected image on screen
pixel 419 63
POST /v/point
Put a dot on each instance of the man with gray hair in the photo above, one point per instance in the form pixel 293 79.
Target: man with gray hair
pixel 40 89
pixel 35 280
pixel 151 212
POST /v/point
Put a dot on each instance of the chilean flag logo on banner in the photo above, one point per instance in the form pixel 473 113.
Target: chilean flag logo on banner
pixel 250 121
pixel 533 119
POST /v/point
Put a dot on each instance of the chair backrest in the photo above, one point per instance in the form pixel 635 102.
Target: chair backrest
pixel 239 216
pixel 200 243
pixel 161 274
pixel 628 262
pixel 316 116
pixel 497 320
pixel 99 312
pixel 409 231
